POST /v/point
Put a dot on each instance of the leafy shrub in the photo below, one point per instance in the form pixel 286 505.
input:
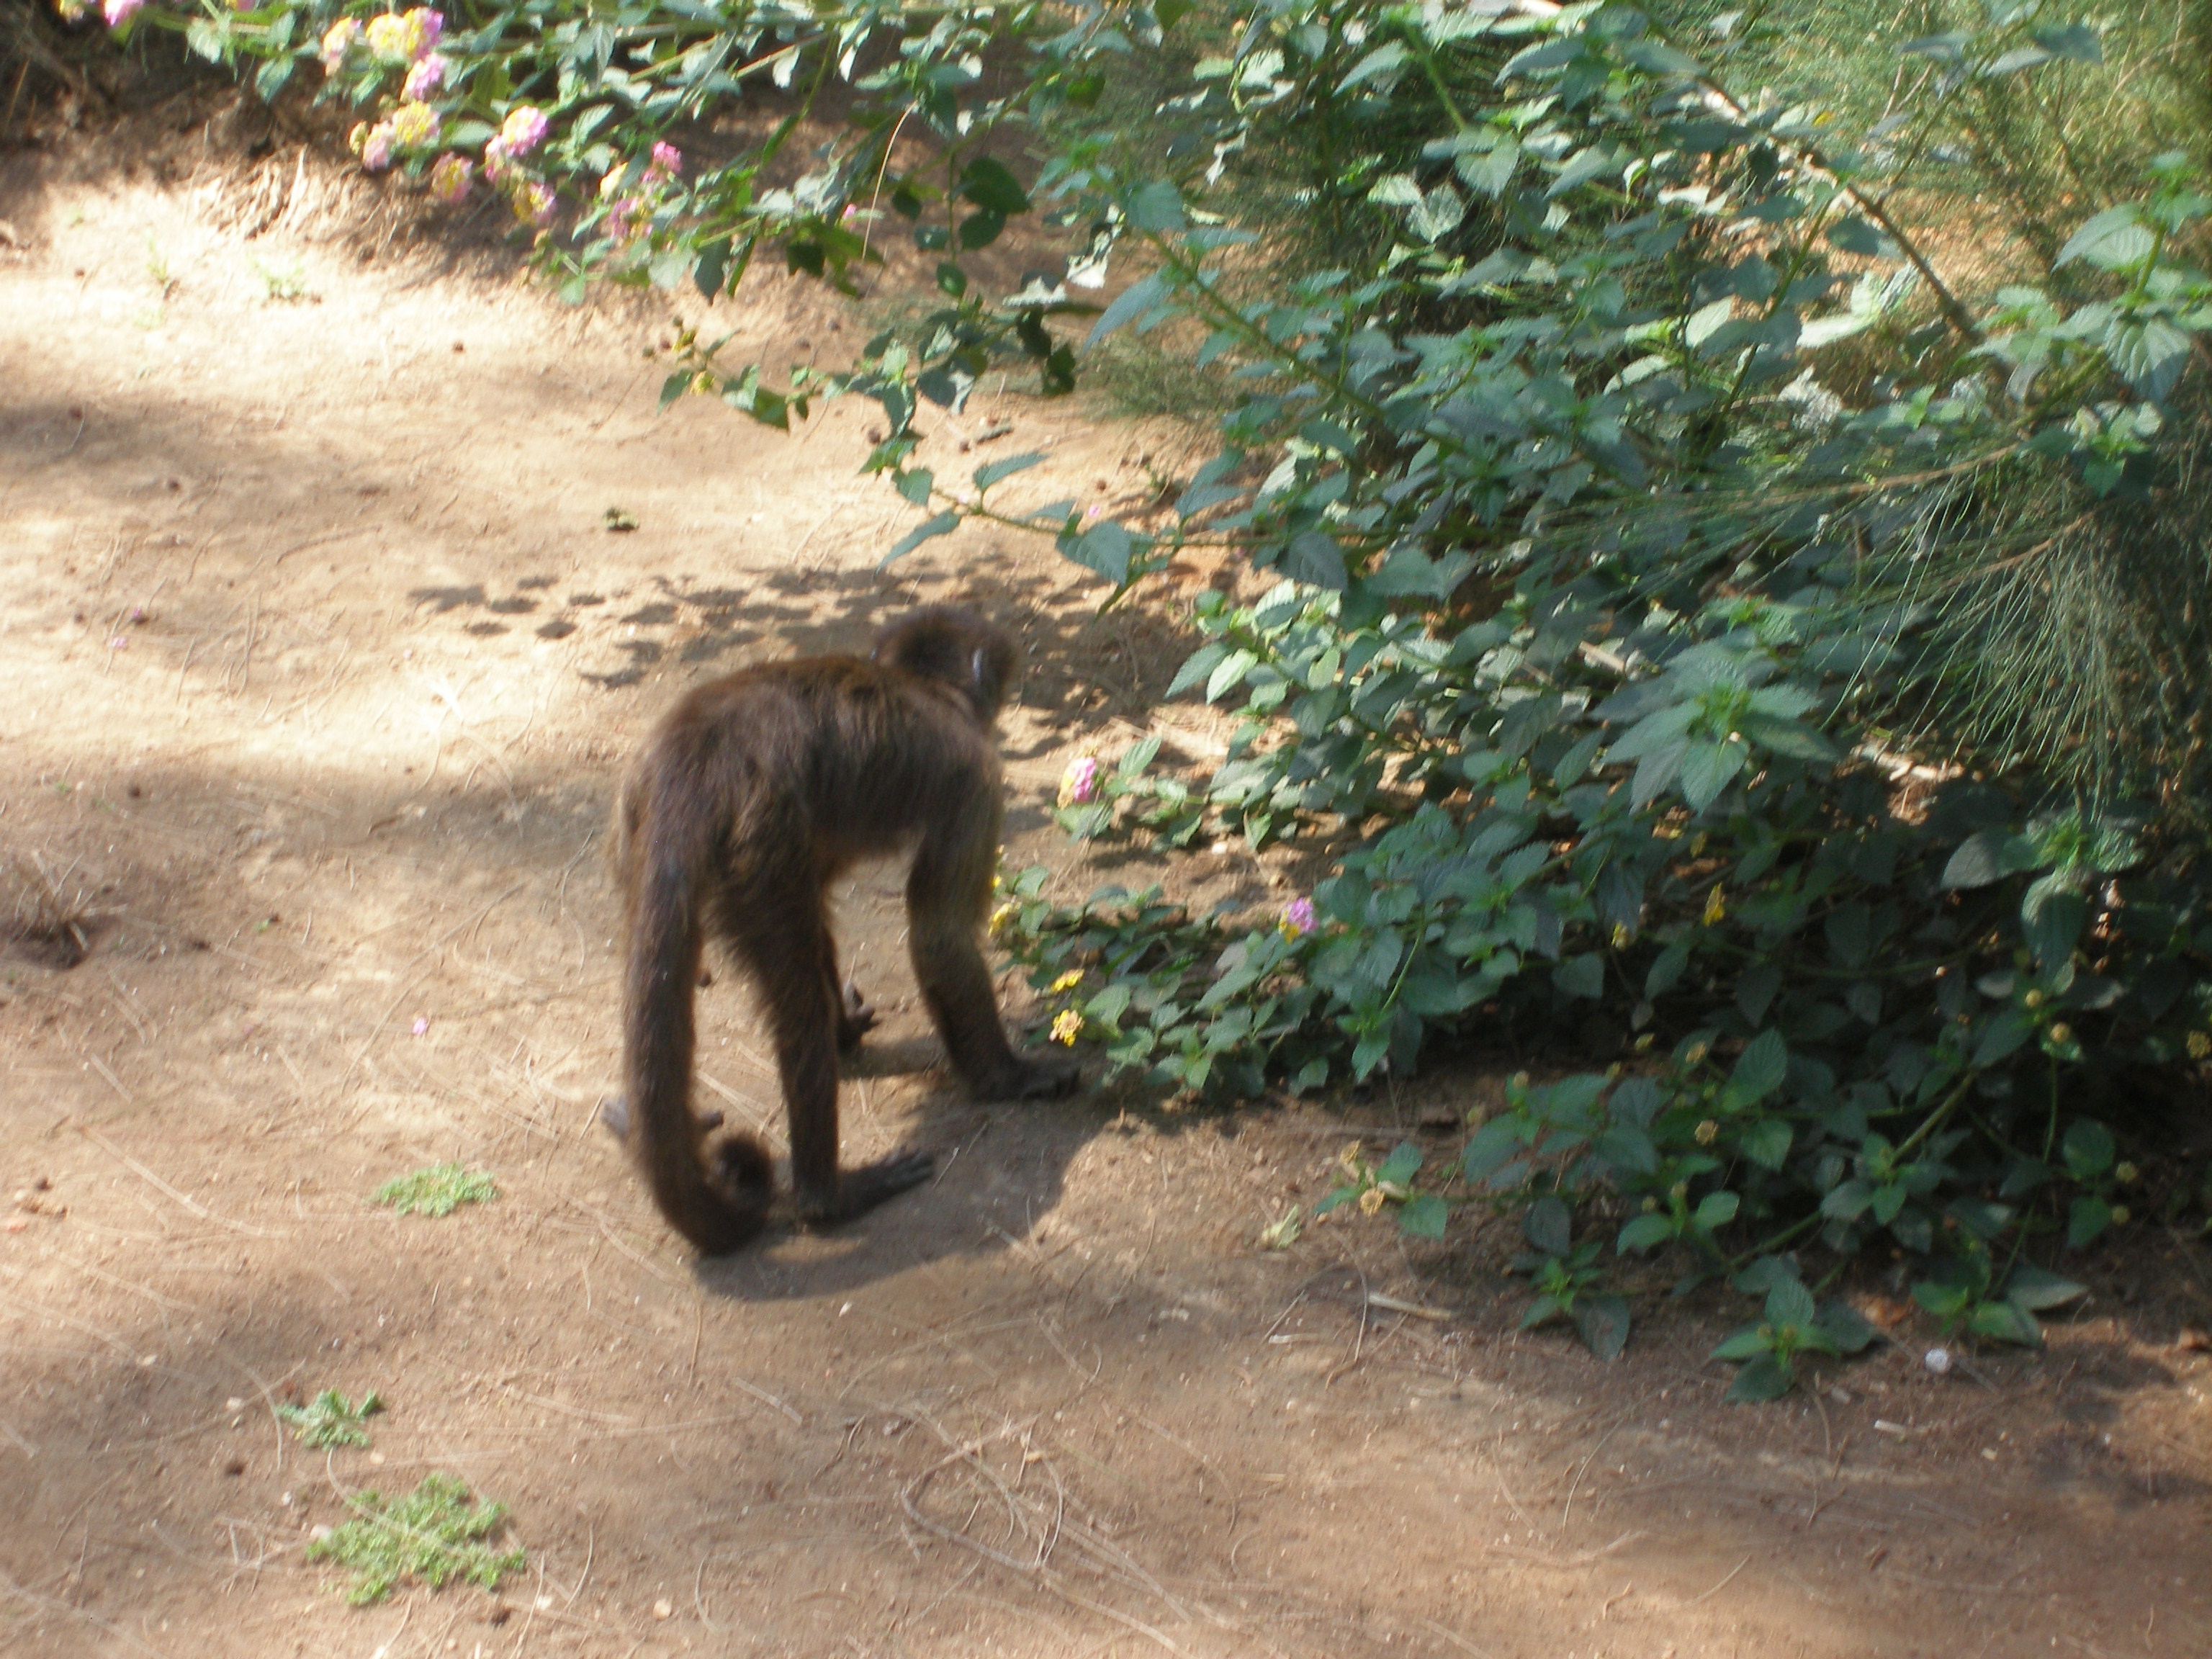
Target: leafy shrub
pixel 1694 592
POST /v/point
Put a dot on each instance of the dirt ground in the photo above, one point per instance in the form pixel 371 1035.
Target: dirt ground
pixel 317 666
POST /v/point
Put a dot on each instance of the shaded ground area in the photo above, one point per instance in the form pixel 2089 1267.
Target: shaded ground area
pixel 316 668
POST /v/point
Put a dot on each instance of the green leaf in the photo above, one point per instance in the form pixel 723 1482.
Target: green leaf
pixel 2088 1149
pixel 943 524
pixel 992 471
pixel 1380 61
pixel 1549 1225
pixel 2036 1290
pixel 981 228
pixel 1422 1216
pixel 2004 1322
pixel 1716 1210
pixel 1395 190
pixel 2110 241
pixel 2087 1217
pixel 1601 1321
pixel 1944 1301
pixel 1760 1069
pixel 1764 1379
pixel 1789 1305
pixel 1156 207
pixel 1104 548
pixel 1987 856
pixel 1581 977
pixel 1403 1163
pixel 1767 1143
pixel 1708 769
pixel 1644 1232
pixel 1139 297
pixel 988 184
pixel 1847 1201
pixel 1846 1327
pixel 1747 1343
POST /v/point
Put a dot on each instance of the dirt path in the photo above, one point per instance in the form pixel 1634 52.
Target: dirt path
pixel 316 666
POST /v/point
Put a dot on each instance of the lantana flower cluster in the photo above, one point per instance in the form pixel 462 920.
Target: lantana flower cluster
pixel 630 210
pixel 411 38
pixel 1079 784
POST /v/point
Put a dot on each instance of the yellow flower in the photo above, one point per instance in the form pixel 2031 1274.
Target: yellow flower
pixel 2126 1174
pixel 1370 1200
pixel 1001 918
pixel 2061 1033
pixel 1066 1027
pixel 1349 1158
pixel 1716 906
pixel 1068 981
pixel 2121 1216
pixel 1707 1132
pixel 2200 1045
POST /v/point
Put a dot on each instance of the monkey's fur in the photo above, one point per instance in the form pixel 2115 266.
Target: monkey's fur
pixel 751 797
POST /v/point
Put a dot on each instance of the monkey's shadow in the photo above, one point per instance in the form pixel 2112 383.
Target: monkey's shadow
pixel 1001 1168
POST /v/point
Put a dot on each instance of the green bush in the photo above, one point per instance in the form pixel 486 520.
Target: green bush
pixel 1698 591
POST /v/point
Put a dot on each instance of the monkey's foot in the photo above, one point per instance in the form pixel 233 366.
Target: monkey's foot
pixel 860 1190
pixel 856 1017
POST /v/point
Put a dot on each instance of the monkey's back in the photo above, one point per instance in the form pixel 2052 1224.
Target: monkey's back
pixel 829 759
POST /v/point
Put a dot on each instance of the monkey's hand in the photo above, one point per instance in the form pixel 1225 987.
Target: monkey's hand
pixel 1021 1077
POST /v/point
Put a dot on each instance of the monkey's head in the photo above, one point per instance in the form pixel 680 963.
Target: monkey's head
pixel 945 642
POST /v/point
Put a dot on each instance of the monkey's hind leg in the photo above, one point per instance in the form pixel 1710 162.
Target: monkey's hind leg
pixel 788 949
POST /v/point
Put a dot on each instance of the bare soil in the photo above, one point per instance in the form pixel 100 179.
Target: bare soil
pixel 317 666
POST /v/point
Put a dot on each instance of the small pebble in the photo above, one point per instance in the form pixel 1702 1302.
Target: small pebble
pixel 662 1608
pixel 1938 1361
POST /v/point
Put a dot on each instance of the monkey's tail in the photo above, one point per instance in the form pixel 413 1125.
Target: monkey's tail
pixel 717 1198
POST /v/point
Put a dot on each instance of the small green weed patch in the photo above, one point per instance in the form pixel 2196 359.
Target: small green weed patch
pixel 438 1190
pixel 328 1421
pixel 435 1534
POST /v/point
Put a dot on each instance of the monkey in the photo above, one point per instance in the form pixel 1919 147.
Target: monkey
pixel 752 795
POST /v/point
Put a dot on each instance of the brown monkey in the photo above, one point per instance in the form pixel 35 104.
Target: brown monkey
pixel 752 796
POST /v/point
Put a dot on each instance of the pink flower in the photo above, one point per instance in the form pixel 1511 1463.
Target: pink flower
pixel 376 146
pixel 387 35
pixel 450 179
pixel 533 201
pixel 1079 784
pixel 1298 919
pixel 343 36
pixel 414 127
pixel 424 77
pixel 496 157
pixel 121 642
pixel 425 29
pixel 524 129
pixel 625 219
pixel 407 37
pixel 120 12
pixel 667 162
pixel 421 1025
